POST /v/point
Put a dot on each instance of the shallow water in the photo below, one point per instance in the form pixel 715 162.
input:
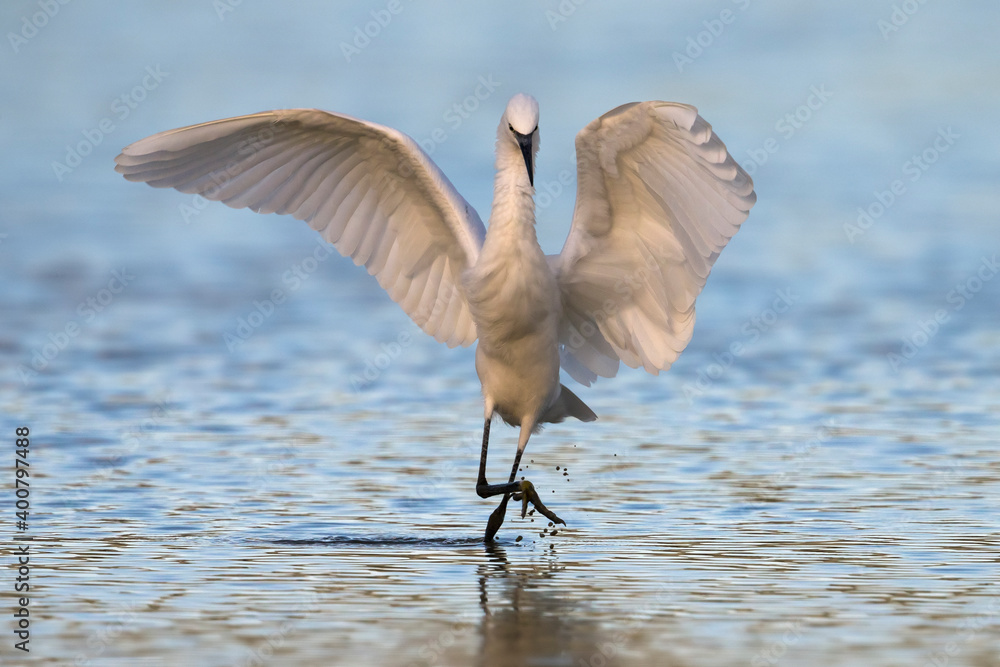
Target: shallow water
pixel 827 496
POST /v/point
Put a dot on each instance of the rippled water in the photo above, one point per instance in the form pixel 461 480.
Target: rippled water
pixel 826 496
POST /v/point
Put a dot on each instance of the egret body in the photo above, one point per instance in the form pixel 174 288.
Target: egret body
pixel 658 197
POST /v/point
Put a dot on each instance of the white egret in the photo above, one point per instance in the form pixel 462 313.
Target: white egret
pixel 658 197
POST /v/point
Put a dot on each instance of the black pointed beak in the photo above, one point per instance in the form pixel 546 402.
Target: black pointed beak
pixel 524 141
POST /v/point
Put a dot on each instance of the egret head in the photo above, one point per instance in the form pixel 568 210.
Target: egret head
pixel 520 123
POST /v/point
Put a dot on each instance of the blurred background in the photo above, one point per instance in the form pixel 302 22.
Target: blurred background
pixel 303 494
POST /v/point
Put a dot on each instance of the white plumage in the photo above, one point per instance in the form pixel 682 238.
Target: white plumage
pixel 368 189
pixel 658 197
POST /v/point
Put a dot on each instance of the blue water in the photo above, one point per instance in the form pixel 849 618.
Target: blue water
pixel 826 496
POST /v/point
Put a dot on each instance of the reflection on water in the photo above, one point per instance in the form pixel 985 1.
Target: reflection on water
pixel 523 621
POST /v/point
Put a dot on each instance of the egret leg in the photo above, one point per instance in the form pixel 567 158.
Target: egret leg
pixel 522 490
pixel 483 488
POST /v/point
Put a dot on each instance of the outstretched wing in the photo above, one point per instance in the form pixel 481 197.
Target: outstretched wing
pixel 368 189
pixel 658 197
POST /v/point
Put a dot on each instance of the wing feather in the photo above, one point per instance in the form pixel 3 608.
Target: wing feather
pixel 368 189
pixel 658 198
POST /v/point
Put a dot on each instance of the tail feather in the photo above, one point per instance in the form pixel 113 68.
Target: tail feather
pixel 569 405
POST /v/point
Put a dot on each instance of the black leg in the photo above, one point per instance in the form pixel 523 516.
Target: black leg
pixel 496 519
pixel 523 491
pixel 483 488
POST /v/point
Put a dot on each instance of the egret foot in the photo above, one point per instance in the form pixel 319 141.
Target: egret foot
pixel 526 493
pixel 529 495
